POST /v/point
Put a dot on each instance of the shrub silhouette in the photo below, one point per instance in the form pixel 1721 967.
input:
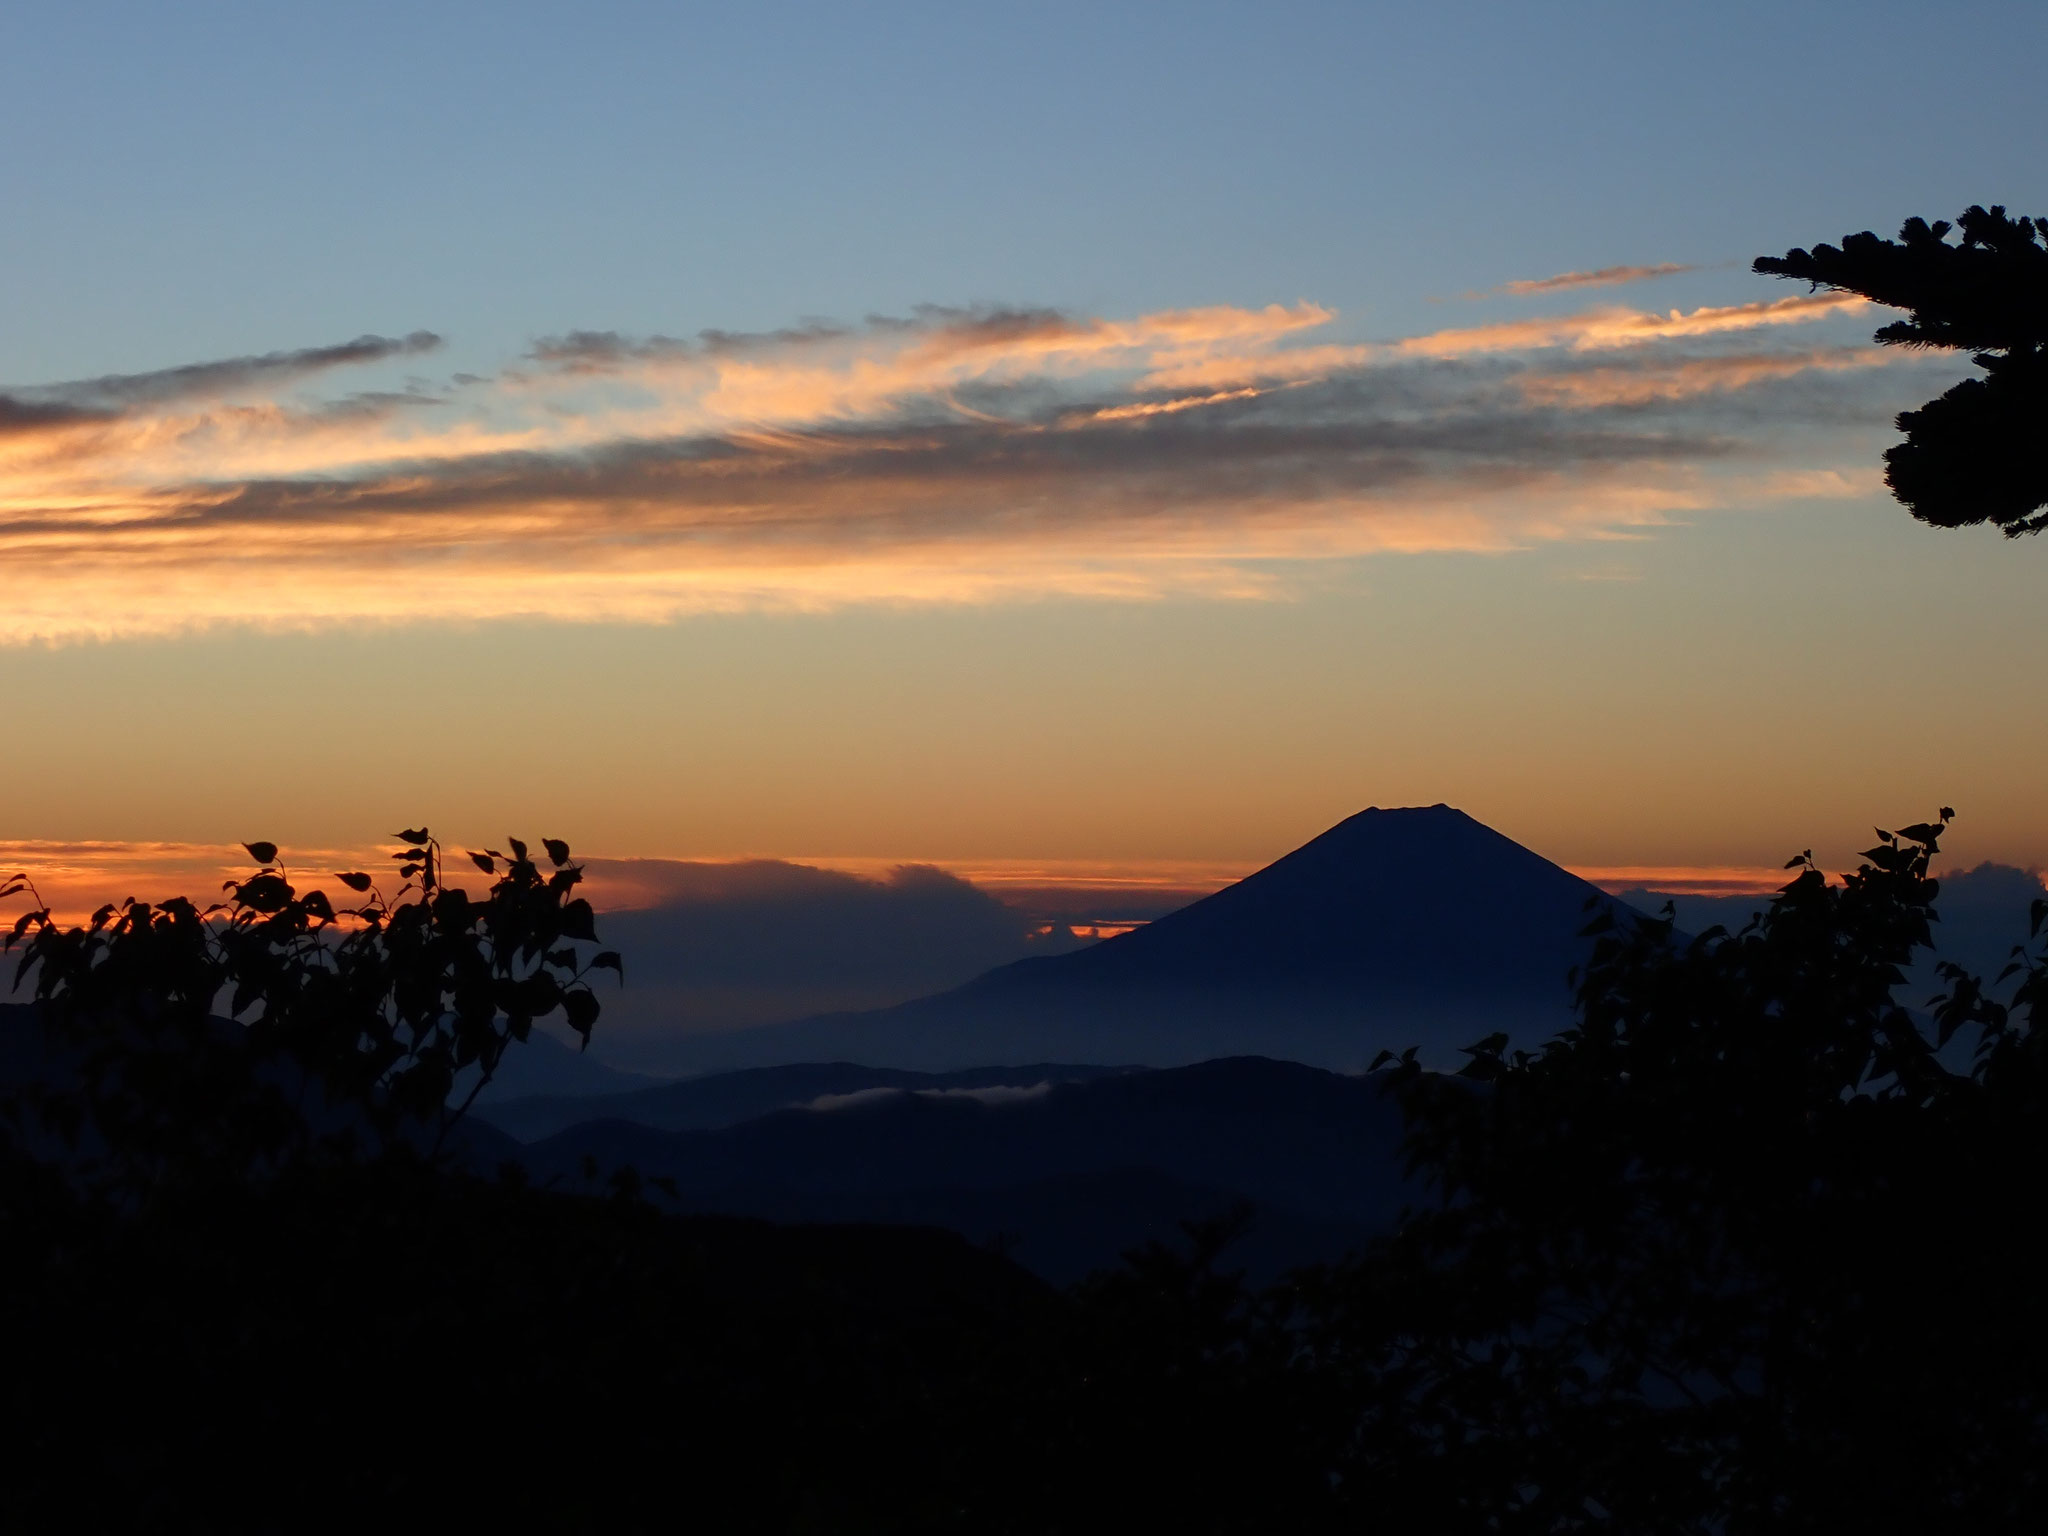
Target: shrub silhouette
pixel 1978 453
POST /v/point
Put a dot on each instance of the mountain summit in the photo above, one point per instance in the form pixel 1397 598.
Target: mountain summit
pixel 1411 926
pixel 1410 899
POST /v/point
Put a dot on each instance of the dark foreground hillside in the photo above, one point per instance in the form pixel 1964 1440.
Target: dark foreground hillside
pixel 370 1346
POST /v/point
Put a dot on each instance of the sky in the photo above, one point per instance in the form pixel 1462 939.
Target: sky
pixel 1060 443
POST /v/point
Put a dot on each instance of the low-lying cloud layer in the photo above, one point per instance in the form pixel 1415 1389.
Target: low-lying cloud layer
pixel 951 456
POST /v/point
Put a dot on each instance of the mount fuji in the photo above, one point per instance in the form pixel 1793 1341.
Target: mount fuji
pixel 1412 926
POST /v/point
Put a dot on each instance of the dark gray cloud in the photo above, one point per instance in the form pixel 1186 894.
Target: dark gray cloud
pixel 594 351
pixel 1360 430
pixel 117 391
pixel 982 474
pixel 22 416
pixel 990 325
pixel 374 404
pixel 601 351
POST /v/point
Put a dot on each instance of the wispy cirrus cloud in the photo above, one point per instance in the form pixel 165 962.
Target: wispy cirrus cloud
pixel 1680 378
pixel 1617 326
pixel 1601 277
pixel 1611 327
pixel 954 455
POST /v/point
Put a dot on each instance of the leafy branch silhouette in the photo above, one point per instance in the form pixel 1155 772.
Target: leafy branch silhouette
pixel 280 1023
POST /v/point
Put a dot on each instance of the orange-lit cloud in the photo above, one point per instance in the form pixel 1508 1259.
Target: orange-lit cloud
pixel 1617 326
pixel 1690 376
pixel 957 456
pixel 1687 879
pixel 1169 407
pixel 1608 328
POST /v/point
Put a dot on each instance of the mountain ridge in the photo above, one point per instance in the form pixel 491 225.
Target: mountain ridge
pixel 723 1099
pixel 1075 1173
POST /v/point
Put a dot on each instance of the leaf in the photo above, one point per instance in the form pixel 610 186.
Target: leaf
pixel 262 853
pixel 578 922
pixel 354 879
pixel 582 1009
pixel 558 851
pixel 609 960
pixel 539 994
pixel 264 893
pixel 518 848
pixel 418 839
pixel 484 862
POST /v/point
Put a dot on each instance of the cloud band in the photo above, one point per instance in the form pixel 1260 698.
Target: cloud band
pixel 954 455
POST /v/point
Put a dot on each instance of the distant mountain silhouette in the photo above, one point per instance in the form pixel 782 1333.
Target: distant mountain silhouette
pixel 542 1064
pixel 1066 1177
pixel 1416 926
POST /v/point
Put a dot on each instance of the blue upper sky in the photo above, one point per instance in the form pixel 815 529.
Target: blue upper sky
pixel 202 179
